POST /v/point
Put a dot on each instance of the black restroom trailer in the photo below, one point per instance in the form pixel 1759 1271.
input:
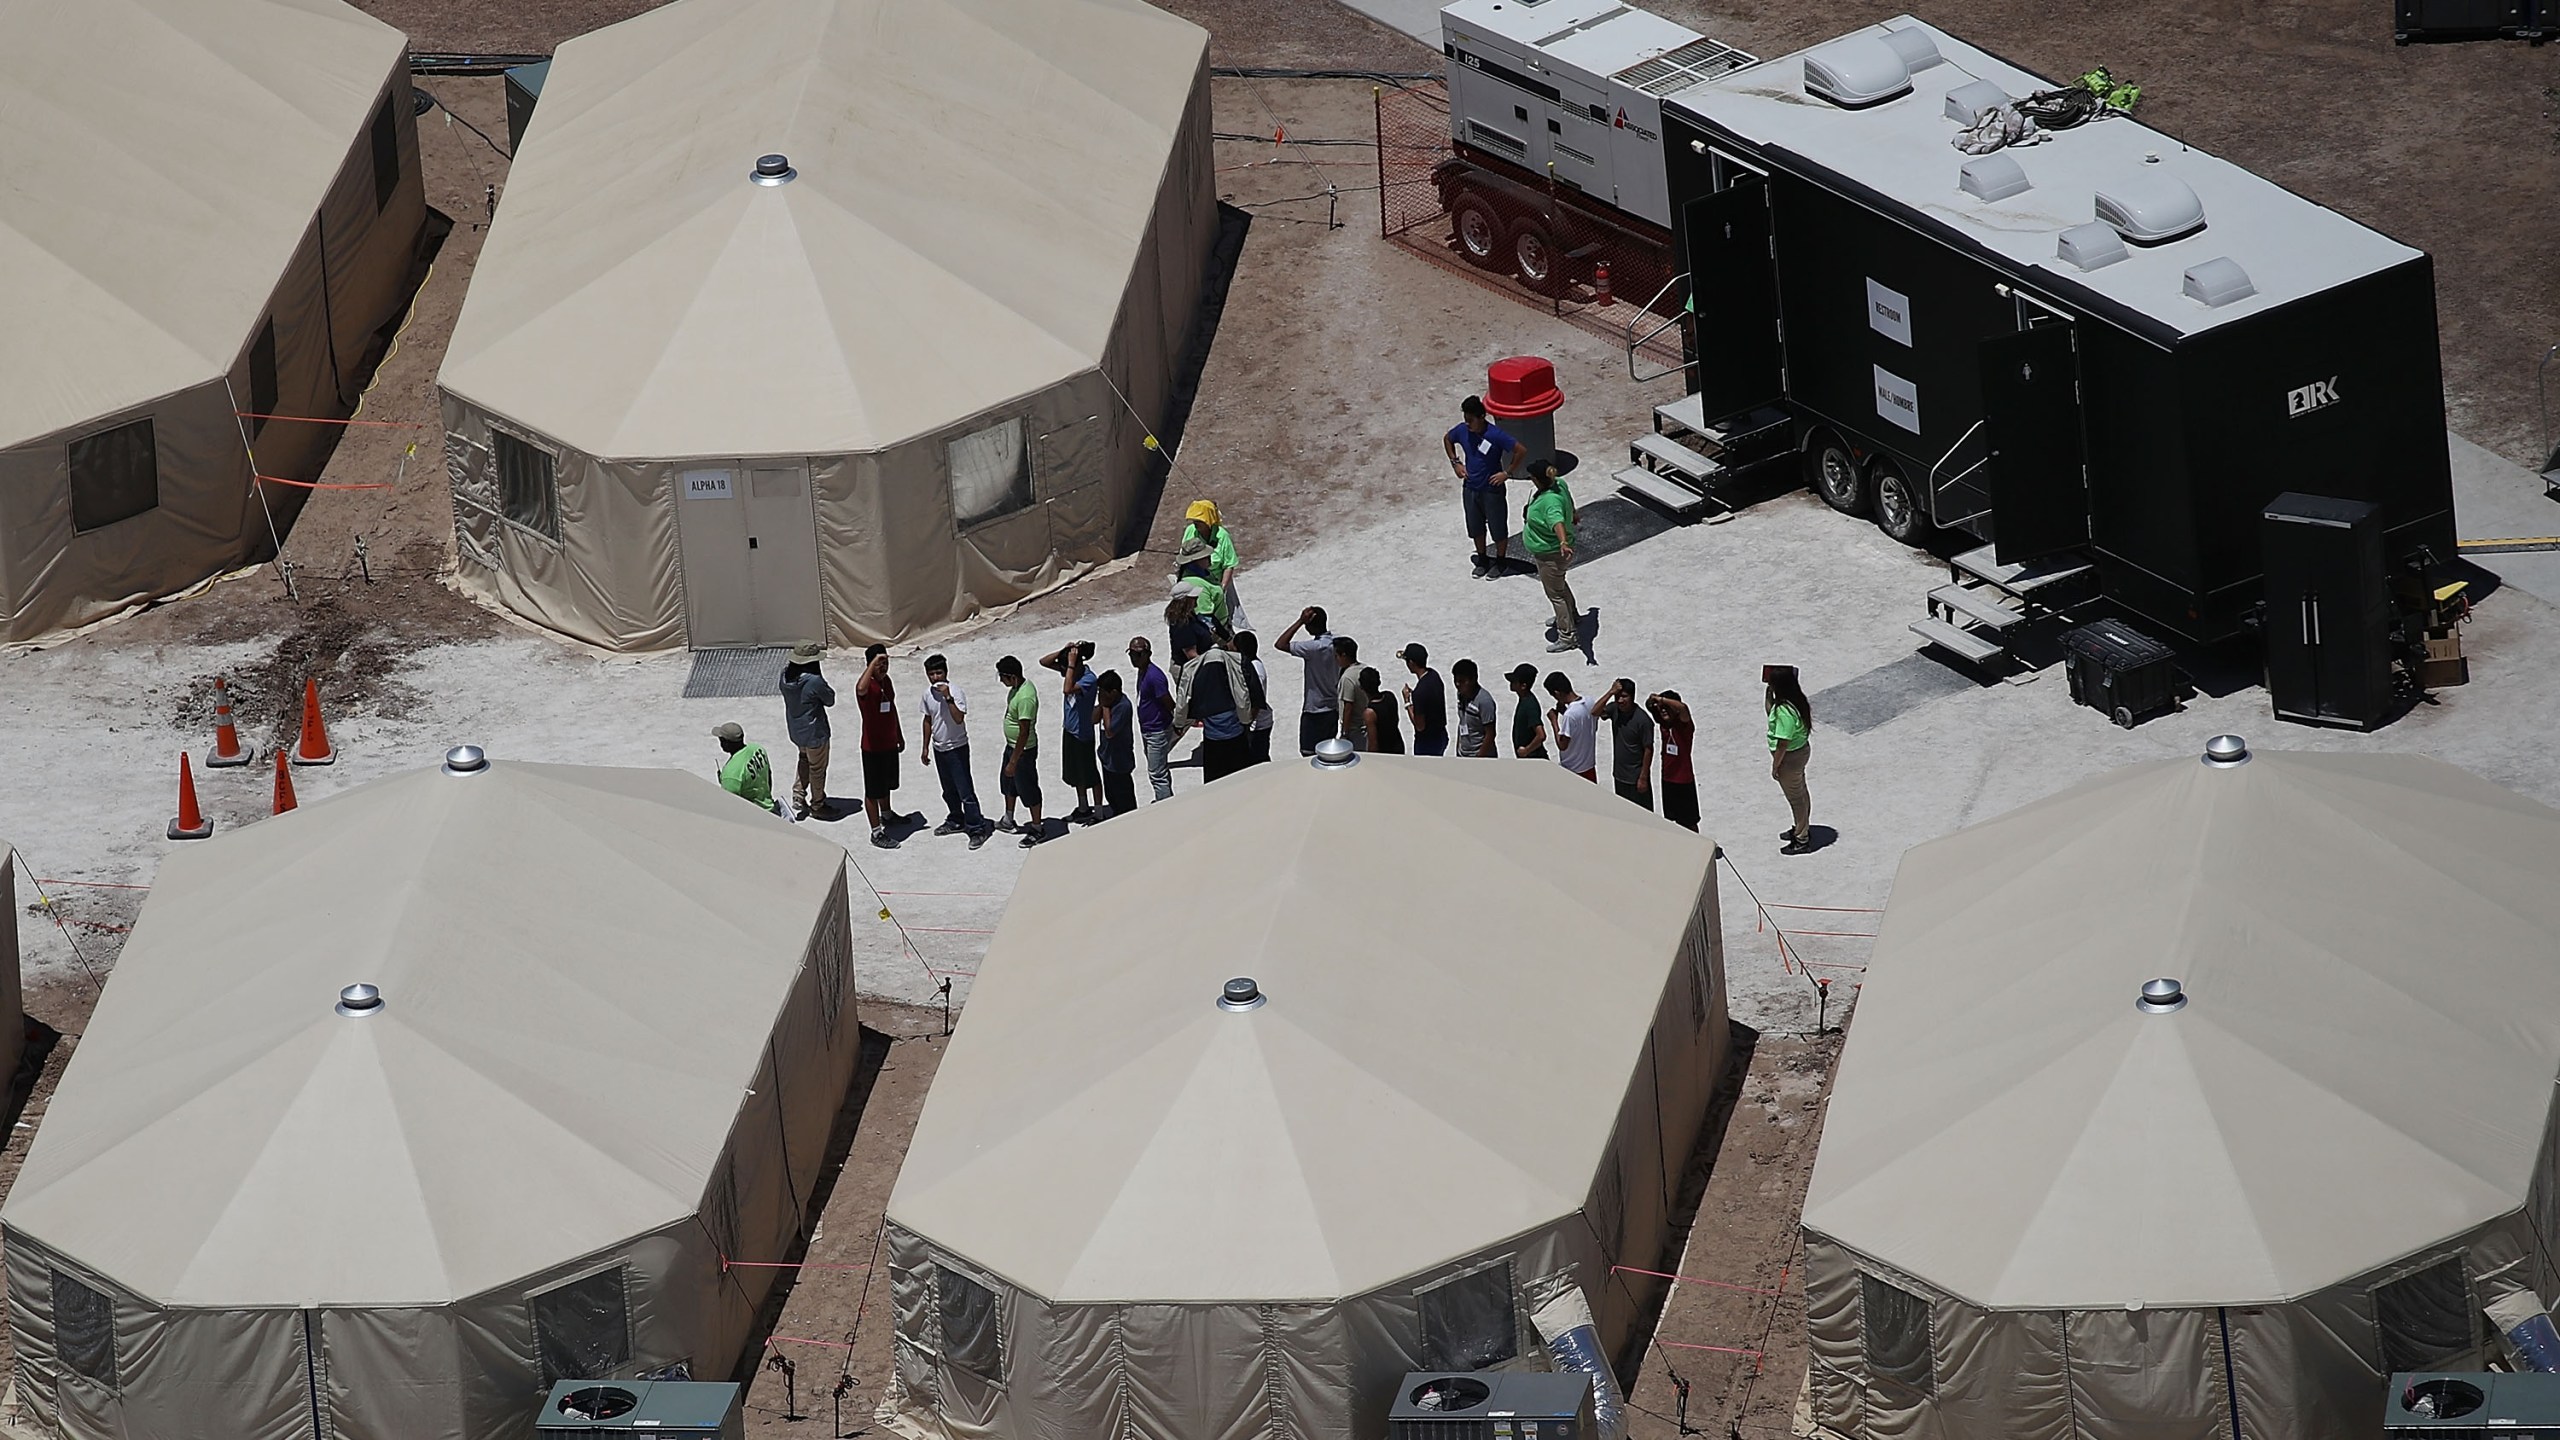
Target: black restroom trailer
pixel 2104 353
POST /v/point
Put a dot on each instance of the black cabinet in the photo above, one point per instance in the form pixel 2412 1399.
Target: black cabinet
pixel 2329 616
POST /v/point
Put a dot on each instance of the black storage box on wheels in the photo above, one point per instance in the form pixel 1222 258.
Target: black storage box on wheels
pixel 2468 19
pixel 2330 616
pixel 2120 672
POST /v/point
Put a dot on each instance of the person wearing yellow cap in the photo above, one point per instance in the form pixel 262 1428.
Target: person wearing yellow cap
pixel 1201 523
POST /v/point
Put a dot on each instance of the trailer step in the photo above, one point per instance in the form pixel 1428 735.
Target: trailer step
pixel 1689 413
pixel 1669 454
pixel 2020 578
pixel 1979 606
pixel 1661 491
pixel 1955 639
pixel 1745 437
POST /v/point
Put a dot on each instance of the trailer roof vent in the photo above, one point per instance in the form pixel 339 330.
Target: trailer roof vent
pixel 2149 206
pixel 1860 70
pixel 2090 246
pixel 1992 177
pixel 2219 281
pixel 1917 50
pixel 1965 103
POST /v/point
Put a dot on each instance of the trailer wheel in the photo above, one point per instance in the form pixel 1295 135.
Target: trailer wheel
pixel 1834 474
pixel 1898 512
pixel 1477 230
pixel 1535 259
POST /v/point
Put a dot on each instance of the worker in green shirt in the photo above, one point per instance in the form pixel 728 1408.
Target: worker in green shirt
pixel 1201 523
pixel 1193 579
pixel 1547 528
pixel 1790 746
pixel 746 774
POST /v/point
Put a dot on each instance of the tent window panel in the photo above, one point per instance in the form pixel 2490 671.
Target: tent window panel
pixel 115 475
pixel 528 485
pixel 990 473
pixel 1470 1323
pixel 386 155
pixel 84 1322
pixel 2424 1319
pixel 265 392
pixel 582 1330
pixel 972 1335
pixel 1896 1326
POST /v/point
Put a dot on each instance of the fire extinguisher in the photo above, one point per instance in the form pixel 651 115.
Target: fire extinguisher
pixel 1600 281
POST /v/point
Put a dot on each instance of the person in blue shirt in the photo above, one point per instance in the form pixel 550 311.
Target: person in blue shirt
pixel 1484 457
pixel 1077 685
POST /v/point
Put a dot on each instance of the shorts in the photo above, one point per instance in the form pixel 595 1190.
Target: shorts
pixel 1680 803
pixel 1317 726
pixel 1075 763
pixel 1630 790
pixel 1488 508
pixel 1020 781
pixel 879 774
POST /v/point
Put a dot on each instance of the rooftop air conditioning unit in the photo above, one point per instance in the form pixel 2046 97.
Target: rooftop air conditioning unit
pixel 1486 1404
pixel 2148 206
pixel 1860 70
pixel 1992 177
pixel 2442 1407
pixel 2218 282
pixel 622 1409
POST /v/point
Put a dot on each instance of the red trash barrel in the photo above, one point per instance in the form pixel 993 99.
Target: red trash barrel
pixel 1520 393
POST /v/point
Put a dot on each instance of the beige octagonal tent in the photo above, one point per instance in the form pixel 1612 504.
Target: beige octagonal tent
pixel 613 1024
pixel 864 396
pixel 1492 1012
pixel 206 206
pixel 2046 1207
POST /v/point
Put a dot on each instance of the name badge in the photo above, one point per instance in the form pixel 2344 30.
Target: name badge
pixel 1484 446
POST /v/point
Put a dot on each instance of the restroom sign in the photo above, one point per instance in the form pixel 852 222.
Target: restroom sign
pixel 1889 312
pixel 707 485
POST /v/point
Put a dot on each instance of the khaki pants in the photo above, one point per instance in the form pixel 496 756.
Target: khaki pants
pixel 809 782
pixel 1560 595
pixel 1799 798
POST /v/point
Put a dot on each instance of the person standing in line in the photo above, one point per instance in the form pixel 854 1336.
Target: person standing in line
pixel 1547 530
pixel 1679 772
pixel 1211 692
pixel 746 774
pixel 1353 700
pixel 1528 726
pixel 1258 739
pixel 945 713
pixel 1630 744
pixel 805 698
pixel 1386 734
pixel 1577 730
pixel 1475 713
pixel 1483 458
pixel 1426 702
pixel 1075 727
pixel 1020 776
pixel 883 737
pixel 1790 746
pixel 1192 577
pixel 1115 723
pixel 1201 523
pixel 1155 715
pixel 1321 719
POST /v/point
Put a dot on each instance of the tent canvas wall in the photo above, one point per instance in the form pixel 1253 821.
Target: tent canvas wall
pixel 616 1024
pixel 1473 1084
pixel 2045 1212
pixel 13 1016
pixel 872 398
pixel 206 206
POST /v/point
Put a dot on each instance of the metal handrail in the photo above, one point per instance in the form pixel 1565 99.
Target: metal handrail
pixel 1635 344
pixel 1951 454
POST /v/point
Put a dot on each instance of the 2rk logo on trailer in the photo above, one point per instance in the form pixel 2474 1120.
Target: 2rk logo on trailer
pixel 2311 397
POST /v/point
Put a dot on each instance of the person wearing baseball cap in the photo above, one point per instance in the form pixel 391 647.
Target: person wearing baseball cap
pixel 1426 702
pixel 1202 523
pixel 805 698
pixel 1528 722
pixel 746 774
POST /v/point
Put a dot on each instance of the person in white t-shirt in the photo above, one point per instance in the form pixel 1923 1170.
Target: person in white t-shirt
pixel 1576 729
pixel 946 721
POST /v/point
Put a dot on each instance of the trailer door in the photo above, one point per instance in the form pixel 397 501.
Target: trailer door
pixel 2031 417
pixel 1734 285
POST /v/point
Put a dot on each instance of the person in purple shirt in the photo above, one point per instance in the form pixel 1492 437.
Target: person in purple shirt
pixel 1155 716
pixel 1483 458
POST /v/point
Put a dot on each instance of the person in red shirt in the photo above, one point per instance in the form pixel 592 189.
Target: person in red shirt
pixel 882 738
pixel 1679 777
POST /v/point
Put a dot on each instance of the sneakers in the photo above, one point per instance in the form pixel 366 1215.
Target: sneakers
pixel 1081 815
pixel 979 837
pixel 949 827
pixel 881 839
pixel 1560 646
pixel 1478 563
pixel 799 810
pixel 1796 847
pixel 1007 826
pixel 1033 837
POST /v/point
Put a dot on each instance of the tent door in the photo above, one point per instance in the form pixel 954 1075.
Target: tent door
pixel 749 538
pixel 315 1372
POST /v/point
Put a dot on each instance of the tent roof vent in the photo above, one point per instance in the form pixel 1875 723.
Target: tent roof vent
pixel 2224 751
pixel 1992 177
pixel 1335 754
pixel 465 760
pixel 2149 206
pixel 360 1000
pixel 774 170
pixel 1860 70
pixel 1241 994
pixel 2161 996
pixel 2218 282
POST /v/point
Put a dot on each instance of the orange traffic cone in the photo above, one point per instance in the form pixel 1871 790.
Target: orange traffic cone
pixel 190 824
pixel 284 786
pixel 227 749
pixel 313 747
